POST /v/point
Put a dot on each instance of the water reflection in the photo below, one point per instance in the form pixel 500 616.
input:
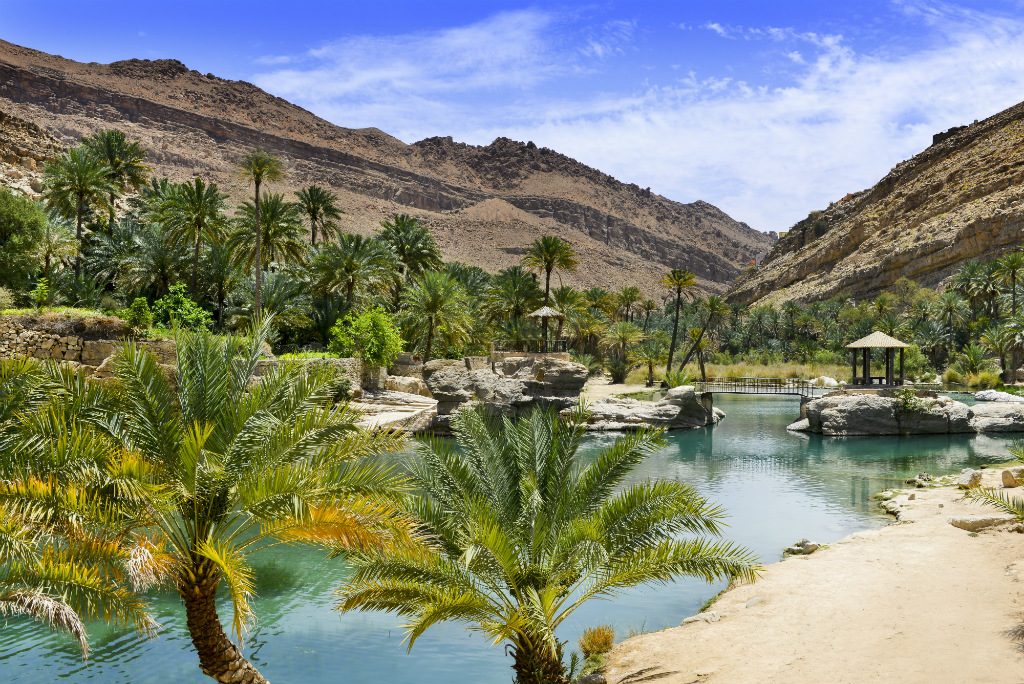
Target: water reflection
pixel 777 487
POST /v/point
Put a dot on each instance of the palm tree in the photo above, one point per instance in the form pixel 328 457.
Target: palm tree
pixel 522 534
pixel 952 311
pixel 619 338
pixel 226 467
pixel 681 283
pixel 435 306
pixel 321 208
pixel 716 311
pixel 647 307
pixel 65 544
pixel 354 265
pixel 280 239
pixel 1009 270
pixel 259 167
pixel 652 351
pixel 414 247
pixel 1002 341
pixel 124 160
pixel 221 274
pixel 194 212
pixel 58 245
pixel 628 298
pixel 548 254
pixel 512 294
pixel 76 182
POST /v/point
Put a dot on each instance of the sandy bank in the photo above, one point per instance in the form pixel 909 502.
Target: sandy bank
pixel 917 601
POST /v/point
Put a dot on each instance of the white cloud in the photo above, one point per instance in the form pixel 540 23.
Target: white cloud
pixel 765 151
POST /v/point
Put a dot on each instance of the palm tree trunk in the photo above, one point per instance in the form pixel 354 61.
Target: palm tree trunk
pixel 195 264
pixel 219 658
pixel 430 341
pixel 532 667
pixel 650 373
pixel 258 297
pixel 700 362
pixel 312 227
pixel 78 236
pixel 1013 293
pixel 647 320
pixel 110 225
pixel 694 348
pixel 675 331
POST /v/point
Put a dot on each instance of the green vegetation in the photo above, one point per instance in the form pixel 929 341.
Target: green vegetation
pixel 179 484
pixel 372 336
pixel 521 535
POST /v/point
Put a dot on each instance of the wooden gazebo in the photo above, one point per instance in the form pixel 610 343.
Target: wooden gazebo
pixel 545 313
pixel 877 340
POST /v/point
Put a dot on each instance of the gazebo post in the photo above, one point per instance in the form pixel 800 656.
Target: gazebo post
pixel 867 365
pixel 901 367
pixel 889 374
pixel 877 340
pixel 854 364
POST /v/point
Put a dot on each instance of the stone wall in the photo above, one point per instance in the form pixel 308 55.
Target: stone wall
pixel 351 368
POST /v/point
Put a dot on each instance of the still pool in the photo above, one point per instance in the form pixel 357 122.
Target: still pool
pixel 778 487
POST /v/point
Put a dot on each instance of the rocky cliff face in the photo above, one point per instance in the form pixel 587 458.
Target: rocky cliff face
pixel 960 199
pixel 484 204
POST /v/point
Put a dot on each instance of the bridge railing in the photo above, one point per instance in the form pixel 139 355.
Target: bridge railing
pixel 804 388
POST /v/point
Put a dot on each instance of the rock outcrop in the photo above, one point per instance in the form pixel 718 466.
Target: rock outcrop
pixel 681 408
pixel 996 395
pixel 852 413
pixel 962 198
pixel 483 203
pixel 528 383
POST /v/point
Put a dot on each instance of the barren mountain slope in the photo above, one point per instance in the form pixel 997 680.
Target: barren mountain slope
pixel 199 124
pixel 960 199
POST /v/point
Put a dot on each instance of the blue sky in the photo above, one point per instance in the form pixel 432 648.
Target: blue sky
pixel 766 109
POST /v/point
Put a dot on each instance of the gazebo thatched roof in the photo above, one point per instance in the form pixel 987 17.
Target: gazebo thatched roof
pixel 546 312
pixel 877 340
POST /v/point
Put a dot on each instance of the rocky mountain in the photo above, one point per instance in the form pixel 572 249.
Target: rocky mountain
pixel 960 199
pixel 484 204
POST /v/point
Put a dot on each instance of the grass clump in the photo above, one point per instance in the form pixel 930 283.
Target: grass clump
pixel 597 640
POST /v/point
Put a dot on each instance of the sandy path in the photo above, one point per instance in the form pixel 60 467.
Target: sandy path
pixel 598 388
pixel 919 601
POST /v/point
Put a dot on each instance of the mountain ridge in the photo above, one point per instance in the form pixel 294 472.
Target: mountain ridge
pixel 193 123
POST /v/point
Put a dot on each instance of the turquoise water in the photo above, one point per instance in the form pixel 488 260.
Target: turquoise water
pixel 778 487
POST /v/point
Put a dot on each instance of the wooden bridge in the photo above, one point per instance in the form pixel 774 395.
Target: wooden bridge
pixel 784 386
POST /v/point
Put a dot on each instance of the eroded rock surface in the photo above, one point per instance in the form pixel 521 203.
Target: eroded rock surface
pixel 681 408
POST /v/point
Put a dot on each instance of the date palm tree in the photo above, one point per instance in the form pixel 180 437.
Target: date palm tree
pixel 628 298
pixel 522 534
pixel 66 542
pixel 194 212
pixel 1009 269
pixel 512 294
pixel 651 352
pixel 548 254
pixel 682 284
pixel 619 339
pixel 58 245
pixel 350 267
pixel 77 182
pixel 414 247
pixel 280 237
pixel 715 312
pixel 259 167
pixel 125 162
pixel 320 206
pixel 648 307
pixel 435 306
pixel 224 467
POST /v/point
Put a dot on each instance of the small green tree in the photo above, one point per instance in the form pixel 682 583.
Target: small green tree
pixel 138 315
pixel 372 336
pixel 41 293
pixel 175 308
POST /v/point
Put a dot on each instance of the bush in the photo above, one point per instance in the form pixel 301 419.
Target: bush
pixel 41 293
pixel 916 366
pixel 984 380
pixel 618 369
pixel 677 378
pixel 6 298
pixel 138 315
pixel 22 227
pixel 597 640
pixel 952 377
pixel 372 336
pixel 175 308
pixel 590 361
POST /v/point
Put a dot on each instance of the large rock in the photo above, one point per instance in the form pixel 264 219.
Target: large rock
pixel 406 384
pixel 996 395
pixel 681 408
pixel 998 416
pixel 512 389
pixel 1013 477
pixel 853 413
pixel 974 523
pixel 969 479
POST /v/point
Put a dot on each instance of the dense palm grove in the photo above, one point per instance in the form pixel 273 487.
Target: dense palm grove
pixel 109 236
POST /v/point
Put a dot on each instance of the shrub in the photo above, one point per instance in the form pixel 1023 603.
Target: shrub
pixel 6 298
pixel 677 378
pixel 176 308
pixel 907 401
pixel 41 293
pixel 372 336
pixel 138 315
pixel 984 380
pixel 618 369
pixel 597 640
pixel 952 377
pixel 916 365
